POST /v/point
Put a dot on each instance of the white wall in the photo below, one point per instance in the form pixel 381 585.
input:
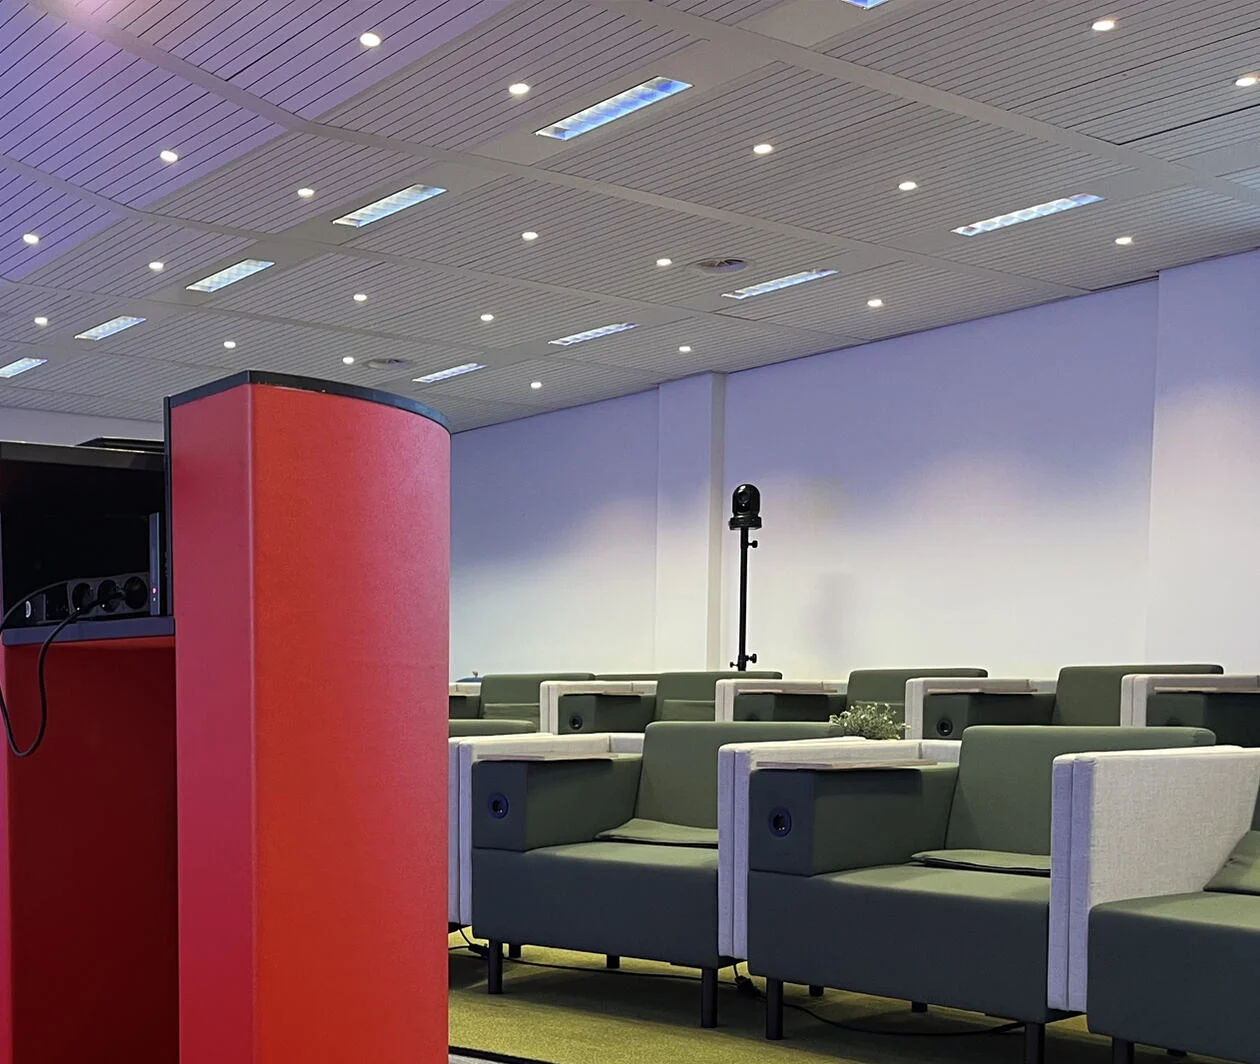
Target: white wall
pixel 553 530
pixel 41 426
pixel 973 495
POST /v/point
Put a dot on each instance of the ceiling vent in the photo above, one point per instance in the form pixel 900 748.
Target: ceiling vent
pixel 722 265
pixel 387 363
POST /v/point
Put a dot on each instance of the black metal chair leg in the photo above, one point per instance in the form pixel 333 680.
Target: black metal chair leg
pixel 918 1006
pixel 1034 1043
pixel 612 961
pixel 774 1009
pixel 1121 1051
pixel 514 951
pixel 708 997
pixel 494 973
pixel 1176 1052
pixel 815 991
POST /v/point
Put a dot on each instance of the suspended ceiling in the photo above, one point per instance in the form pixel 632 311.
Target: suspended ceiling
pixel 988 105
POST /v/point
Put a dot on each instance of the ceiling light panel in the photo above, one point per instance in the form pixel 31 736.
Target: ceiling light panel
pixel 21 365
pixel 116 261
pixel 593 334
pixel 259 191
pixel 567 381
pixel 231 275
pixel 598 50
pixel 1028 214
pixel 622 104
pixel 789 281
pixel 108 328
pixel 447 374
pixel 391 204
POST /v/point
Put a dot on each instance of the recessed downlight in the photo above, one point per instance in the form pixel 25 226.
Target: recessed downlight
pixel 487 317
pixel 1104 25
pixel 229 344
pixel 535 385
pixel 529 234
pixel 1248 81
pixel 1124 241
pixel 664 262
pixel 306 193
pixel 168 156
pixel 762 149
pixel 684 349
pixel 156 266
pixel 347 360
pixel 370 39
pixel 908 186
pixel 40 320
pixel 30 239
pixel 518 88
pixel 875 304
pixel 360 297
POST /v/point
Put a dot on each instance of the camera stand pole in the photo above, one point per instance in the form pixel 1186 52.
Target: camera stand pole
pixel 744 657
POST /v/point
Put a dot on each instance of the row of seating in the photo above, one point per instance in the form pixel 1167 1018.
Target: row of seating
pixel 932 702
pixel 1027 872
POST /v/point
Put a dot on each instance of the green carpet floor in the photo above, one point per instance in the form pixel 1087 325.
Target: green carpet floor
pixel 594 1016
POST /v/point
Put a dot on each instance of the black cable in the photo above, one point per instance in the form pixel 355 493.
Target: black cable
pixel 4 709
pixel 745 985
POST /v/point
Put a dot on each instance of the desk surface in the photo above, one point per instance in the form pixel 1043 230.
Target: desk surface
pixel 158 630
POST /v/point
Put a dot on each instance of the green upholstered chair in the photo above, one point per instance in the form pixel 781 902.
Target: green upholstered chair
pixel 929 883
pixel 630 705
pixel 615 855
pixel 1082 696
pixel 459 728
pixel 1228 705
pixel 504 697
pixel 1173 933
pixel 745 699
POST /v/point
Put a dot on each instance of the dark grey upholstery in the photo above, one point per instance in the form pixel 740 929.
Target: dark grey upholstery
pixel 880 924
pixel 680 696
pixel 506 697
pixel 1178 972
pixel 864 685
pixel 1084 696
pixel 542 873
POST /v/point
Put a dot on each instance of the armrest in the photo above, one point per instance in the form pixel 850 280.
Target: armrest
pixel 525 805
pixel 636 695
pixel 736 763
pixel 464 700
pixel 807 823
pixel 942 706
pixel 727 691
pixel 1138 690
pixel 1136 824
pixel 465 752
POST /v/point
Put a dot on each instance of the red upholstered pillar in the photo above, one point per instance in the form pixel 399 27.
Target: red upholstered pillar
pixel 311 569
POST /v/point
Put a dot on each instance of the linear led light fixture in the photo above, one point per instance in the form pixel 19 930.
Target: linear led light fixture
pixel 593 334
pixel 244 268
pixel 1026 215
pixel 446 374
pixel 609 110
pixel 779 282
pixel 108 328
pixel 866 3
pixel 392 204
pixel 21 366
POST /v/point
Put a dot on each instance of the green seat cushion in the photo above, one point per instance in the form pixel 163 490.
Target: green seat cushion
pixel 967 939
pixel 661 833
pixel 1241 872
pixel 511 711
pixel 684 709
pixel 1002 799
pixel 1023 864
pixel 627 899
pixel 1177 971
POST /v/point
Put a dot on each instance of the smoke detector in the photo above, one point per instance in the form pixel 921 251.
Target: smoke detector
pixel 725 264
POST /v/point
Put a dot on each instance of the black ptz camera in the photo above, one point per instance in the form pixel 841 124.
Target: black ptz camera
pixel 745 507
